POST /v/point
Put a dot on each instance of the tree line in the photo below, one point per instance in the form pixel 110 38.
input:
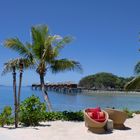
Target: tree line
pixel 104 81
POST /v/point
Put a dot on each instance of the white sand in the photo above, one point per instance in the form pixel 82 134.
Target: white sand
pixel 60 130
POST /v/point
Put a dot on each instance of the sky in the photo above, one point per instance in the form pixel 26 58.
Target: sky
pixel 106 34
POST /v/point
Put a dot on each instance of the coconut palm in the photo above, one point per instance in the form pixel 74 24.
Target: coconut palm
pixel 42 53
pixel 134 84
pixel 13 65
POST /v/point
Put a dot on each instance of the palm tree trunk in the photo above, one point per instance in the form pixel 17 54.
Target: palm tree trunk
pixel 19 88
pixel 45 92
pixel 20 83
pixel 15 96
pixel 19 92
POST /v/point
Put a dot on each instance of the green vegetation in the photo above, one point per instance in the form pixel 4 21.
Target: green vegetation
pixel 134 84
pixel 128 112
pixel 73 116
pixel 32 111
pixel 5 116
pixel 53 116
pixel 13 65
pixel 104 81
pixel 65 115
pixel 42 54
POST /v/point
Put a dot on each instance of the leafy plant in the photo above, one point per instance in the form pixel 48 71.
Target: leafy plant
pixel 137 112
pixel 53 116
pixel 5 116
pixel 32 111
pixel 10 121
pixel 73 116
pixel 65 115
pixel 128 112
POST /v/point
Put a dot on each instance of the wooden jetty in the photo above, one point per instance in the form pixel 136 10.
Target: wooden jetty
pixel 60 87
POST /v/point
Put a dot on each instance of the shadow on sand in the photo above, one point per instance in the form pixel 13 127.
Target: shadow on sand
pixel 122 128
pixel 104 131
pixel 30 127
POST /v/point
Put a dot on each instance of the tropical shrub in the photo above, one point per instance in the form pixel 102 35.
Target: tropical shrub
pixel 65 115
pixel 32 111
pixel 10 121
pixel 137 112
pixel 128 112
pixel 53 116
pixel 5 116
pixel 73 116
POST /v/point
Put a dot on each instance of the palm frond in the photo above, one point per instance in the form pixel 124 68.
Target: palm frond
pixel 59 44
pixel 48 53
pixel 39 34
pixel 8 66
pixel 42 52
pixel 137 68
pixel 64 65
pixel 16 45
pixel 133 85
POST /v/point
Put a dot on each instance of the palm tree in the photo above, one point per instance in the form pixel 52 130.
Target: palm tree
pixel 134 84
pixel 43 54
pixel 12 65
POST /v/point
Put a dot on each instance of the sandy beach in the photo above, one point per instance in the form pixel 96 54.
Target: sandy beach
pixel 62 130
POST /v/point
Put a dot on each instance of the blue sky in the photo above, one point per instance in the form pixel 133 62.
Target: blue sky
pixel 106 34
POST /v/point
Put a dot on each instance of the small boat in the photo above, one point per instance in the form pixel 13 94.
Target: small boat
pixel 95 119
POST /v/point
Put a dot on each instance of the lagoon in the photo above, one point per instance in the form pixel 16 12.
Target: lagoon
pixel 74 102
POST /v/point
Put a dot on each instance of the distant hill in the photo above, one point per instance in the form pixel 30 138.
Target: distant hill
pixel 104 81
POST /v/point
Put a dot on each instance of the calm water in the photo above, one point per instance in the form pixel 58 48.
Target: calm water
pixel 62 102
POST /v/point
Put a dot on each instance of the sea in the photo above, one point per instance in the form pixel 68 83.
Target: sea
pixel 73 102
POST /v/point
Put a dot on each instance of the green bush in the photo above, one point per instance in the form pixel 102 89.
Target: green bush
pixel 32 111
pixel 10 121
pixel 128 112
pixel 5 116
pixel 53 116
pixel 136 112
pixel 67 116
pixel 73 116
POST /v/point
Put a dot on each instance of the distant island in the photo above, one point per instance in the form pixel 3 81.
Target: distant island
pixel 104 81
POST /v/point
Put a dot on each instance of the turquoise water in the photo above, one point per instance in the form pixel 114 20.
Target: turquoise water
pixel 61 102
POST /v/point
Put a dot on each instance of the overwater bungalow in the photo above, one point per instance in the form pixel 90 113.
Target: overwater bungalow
pixel 66 87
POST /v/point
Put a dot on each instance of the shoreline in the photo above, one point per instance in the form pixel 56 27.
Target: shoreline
pixel 104 92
